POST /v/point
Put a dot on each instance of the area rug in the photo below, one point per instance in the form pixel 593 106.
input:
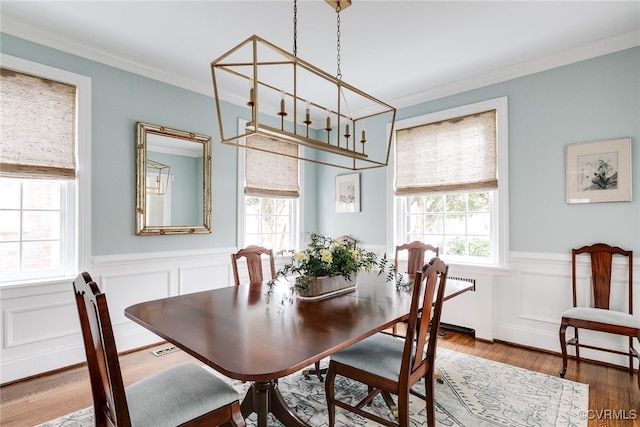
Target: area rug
pixel 473 392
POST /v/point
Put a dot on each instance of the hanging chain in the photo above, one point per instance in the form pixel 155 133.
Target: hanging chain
pixel 339 71
pixel 295 28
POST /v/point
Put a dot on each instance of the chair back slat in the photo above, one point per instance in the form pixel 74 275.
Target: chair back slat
pixel 424 318
pixel 253 256
pixel 601 256
pixel 416 252
pixel 109 399
pixel 601 278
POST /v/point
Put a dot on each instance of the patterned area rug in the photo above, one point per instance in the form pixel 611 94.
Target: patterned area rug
pixel 474 392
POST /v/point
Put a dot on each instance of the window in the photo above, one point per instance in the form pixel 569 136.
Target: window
pixel 45 133
pixel 269 222
pixel 269 204
pixel 450 182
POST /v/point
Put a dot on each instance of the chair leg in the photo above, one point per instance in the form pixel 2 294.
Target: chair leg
pixel 630 356
pixel 329 394
pixel 236 415
pixel 403 409
pixel 429 398
pixel 563 348
pixel 318 371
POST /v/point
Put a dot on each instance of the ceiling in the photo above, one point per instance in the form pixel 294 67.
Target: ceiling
pixel 401 52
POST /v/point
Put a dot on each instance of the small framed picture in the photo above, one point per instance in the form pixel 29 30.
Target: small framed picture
pixel 348 193
pixel 599 171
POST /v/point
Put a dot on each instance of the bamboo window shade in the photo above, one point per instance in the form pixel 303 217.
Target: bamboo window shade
pixel 268 174
pixel 452 155
pixel 38 127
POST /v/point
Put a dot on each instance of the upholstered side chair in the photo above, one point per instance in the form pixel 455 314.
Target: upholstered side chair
pixel 184 395
pixel 600 315
pixel 391 366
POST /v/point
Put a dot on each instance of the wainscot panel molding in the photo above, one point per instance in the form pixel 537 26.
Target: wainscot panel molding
pixel 40 329
pixel 39 322
pixel 528 304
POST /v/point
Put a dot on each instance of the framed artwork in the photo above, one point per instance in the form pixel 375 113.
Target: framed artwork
pixel 599 171
pixel 348 193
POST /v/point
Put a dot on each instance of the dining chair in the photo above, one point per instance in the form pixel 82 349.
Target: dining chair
pixel 253 255
pixel 183 395
pixel 600 316
pixel 388 365
pixel 416 254
pixel 346 240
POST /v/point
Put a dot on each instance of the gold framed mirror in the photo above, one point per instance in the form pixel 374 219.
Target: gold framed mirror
pixel 173 181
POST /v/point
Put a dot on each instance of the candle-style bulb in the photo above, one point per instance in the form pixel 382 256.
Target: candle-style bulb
pixel 282 112
pixel 307 113
pixel 251 102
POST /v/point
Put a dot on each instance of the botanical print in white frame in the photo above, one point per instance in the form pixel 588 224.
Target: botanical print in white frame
pixel 599 171
pixel 348 193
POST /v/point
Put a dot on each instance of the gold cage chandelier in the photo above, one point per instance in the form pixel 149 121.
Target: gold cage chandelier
pixel 294 102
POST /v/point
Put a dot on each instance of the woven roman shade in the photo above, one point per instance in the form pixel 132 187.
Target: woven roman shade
pixel 38 127
pixel 448 156
pixel 271 175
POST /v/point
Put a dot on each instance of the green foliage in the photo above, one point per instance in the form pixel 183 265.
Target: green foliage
pixel 392 275
pixel 325 256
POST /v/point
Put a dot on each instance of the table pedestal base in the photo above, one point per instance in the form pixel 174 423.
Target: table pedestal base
pixel 263 397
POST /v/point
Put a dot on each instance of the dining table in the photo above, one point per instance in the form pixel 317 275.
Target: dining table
pixel 262 332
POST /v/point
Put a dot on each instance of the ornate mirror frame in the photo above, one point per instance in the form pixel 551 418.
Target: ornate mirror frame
pixel 144 166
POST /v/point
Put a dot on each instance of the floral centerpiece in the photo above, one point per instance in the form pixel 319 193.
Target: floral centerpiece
pixel 329 258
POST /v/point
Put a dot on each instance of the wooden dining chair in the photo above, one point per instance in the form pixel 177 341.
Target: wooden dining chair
pixel 416 258
pixel 388 365
pixel 253 255
pixel 416 253
pixel 184 395
pixel 600 316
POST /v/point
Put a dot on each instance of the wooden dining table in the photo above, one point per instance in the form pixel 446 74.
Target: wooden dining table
pixel 262 332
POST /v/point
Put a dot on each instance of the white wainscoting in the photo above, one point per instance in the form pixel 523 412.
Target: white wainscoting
pixel 40 329
pixel 39 322
pixel 528 304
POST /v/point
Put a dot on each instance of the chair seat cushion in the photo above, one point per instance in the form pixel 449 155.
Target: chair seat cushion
pixel 176 395
pixel 380 354
pixel 601 315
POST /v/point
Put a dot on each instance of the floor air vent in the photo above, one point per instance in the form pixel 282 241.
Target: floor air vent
pixel 165 350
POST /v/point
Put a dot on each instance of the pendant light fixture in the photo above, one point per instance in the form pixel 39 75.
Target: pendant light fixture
pixel 294 102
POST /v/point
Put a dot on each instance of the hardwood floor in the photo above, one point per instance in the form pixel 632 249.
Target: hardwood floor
pixel 41 399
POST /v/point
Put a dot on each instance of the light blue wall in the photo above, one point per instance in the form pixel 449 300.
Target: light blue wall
pixel 119 99
pixel 591 100
pixel 597 99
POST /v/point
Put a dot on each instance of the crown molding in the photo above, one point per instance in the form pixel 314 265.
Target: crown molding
pixel 583 52
pixel 569 56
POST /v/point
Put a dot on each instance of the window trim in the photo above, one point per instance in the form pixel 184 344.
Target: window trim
pixel 296 208
pixel 499 221
pixel 79 195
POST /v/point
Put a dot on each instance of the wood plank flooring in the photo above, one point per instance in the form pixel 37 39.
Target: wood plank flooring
pixel 36 400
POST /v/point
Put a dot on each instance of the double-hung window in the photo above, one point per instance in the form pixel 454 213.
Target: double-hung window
pixel 450 182
pixel 45 128
pixel 270 194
